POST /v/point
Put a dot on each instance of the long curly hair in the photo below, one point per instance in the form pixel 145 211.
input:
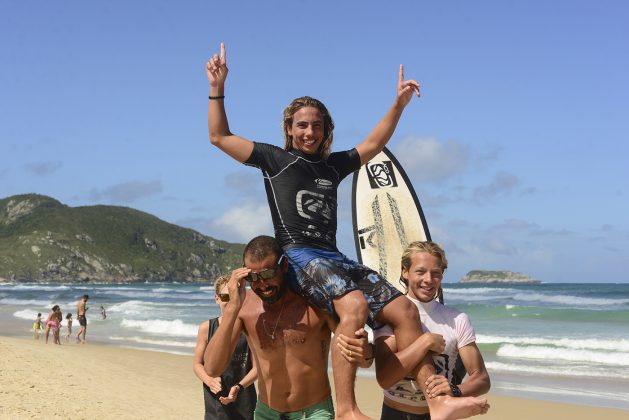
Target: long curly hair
pixel 328 124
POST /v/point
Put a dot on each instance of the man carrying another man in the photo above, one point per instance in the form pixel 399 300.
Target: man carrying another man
pixel 289 338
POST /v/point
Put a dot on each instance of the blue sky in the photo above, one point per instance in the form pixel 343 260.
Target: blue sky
pixel 517 148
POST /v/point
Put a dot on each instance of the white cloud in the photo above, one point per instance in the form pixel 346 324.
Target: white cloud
pixel 431 160
pixel 503 183
pixel 242 223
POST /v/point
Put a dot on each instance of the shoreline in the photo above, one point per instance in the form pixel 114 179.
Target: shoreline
pixel 106 381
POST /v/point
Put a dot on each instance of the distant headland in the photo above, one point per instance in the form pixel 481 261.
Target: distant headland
pixel 485 276
pixel 43 240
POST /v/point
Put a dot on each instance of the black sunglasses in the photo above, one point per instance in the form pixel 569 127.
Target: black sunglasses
pixel 223 297
pixel 266 274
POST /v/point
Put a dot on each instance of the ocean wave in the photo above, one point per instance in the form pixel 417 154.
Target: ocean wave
pixel 38 287
pixel 144 340
pixel 553 371
pixel 479 291
pixel 140 307
pixel 619 345
pixel 466 299
pixel 571 355
pixel 27 314
pixel 166 294
pixel 568 300
pixel 159 350
pixel 171 290
pixel 132 307
pixel 108 289
pixel 26 302
pixel 175 327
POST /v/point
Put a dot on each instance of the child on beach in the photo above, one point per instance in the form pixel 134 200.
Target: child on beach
pixel 69 325
pixel 53 323
pixel 38 327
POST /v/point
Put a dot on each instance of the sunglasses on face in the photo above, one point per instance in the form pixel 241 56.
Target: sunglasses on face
pixel 223 297
pixel 266 274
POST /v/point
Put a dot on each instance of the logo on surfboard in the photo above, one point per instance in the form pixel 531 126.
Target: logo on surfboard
pixel 381 174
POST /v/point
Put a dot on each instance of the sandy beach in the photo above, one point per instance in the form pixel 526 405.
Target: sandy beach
pixel 97 381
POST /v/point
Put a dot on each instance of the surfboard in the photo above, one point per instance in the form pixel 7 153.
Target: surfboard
pixel 386 215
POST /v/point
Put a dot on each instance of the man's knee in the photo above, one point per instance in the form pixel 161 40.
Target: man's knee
pixel 352 307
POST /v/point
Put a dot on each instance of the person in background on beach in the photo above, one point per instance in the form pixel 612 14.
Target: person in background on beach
pixel 230 396
pixel 53 323
pixel 38 327
pixel 289 338
pixel 103 313
pixel 69 325
pixel 301 181
pixel 81 309
pixel 448 334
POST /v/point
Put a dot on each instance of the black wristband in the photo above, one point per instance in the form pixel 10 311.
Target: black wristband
pixel 239 385
pixel 456 391
pixel 373 352
pixel 216 97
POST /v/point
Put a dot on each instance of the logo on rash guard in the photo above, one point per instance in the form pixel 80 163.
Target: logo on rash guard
pixel 323 183
pixel 313 206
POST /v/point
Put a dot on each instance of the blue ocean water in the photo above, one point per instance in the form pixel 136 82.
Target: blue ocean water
pixel 555 341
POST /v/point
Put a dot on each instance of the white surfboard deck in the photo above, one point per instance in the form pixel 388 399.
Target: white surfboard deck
pixel 386 215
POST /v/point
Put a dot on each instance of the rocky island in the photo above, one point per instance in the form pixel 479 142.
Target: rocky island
pixel 484 276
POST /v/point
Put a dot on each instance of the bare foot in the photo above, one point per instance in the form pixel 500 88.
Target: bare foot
pixel 449 408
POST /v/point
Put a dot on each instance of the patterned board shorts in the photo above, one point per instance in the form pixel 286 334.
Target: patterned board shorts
pixel 321 275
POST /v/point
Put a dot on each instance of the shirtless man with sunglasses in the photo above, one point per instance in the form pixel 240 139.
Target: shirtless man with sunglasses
pixel 289 338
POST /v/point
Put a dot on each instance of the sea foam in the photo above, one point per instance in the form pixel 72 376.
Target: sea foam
pixel 621 345
pixel 553 371
pixel 175 327
pixel 571 355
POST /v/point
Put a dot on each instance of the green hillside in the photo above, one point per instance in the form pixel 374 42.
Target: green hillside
pixel 42 239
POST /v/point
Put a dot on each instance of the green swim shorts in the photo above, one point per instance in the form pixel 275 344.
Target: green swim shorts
pixel 320 411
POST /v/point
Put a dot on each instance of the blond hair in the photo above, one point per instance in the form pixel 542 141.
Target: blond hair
pixel 219 283
pixel 430 247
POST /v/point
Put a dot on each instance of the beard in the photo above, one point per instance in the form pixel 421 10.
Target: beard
pixel 279 292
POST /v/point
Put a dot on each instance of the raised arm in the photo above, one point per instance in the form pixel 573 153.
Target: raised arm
pixel 393 365
pixel 223 343
pixel 380 135
pixel 220 136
